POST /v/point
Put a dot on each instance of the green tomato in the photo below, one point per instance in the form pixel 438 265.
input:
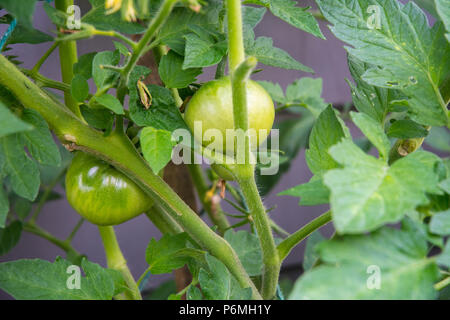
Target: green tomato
pixel 212 106
pixel 102 194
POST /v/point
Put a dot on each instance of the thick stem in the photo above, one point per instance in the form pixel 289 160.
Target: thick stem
pixel 235 37
pixel 119 151
pixel 68 57
pixel 116 261
pixel 261 222
pixel 294 239
pixel 162 220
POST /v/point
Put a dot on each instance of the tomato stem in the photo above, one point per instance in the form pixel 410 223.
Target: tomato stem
pixel 68 57
pixel 116 261
pixel 285 247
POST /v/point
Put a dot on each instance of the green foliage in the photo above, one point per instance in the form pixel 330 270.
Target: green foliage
pixel 110 102
pixel 18 278
pixel 248 250
pixel 174 73
pixel 157 147
pixel 351 265
pixel 9 236
pixel 412 55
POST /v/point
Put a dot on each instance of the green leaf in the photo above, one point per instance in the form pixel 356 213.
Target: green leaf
pixel 103 76
pixel 444 258
pixel 440 223
pixel 218 284
pixel 169 253
pixel 79 88
pixel 23 34
pixel 110 102
pixel 311 193
pixel 371 100
pixel 288 11
pixel 157 147
pixel 366 193
pixel 58 17
pixel 275 91
pixel 352 265
pixel 443 9
pixel 39 141
pixel 248 249
pixel 373 131
pixel 413 56
pixel 9 123
pixel 427 5
pixel 10 236
pixel 252 16
pixel 406 129
pixel 203 50
pixel 99 19
pixel 83 67
pixel 163 113
pixel 262 48
pixel 22 10
pixel 122 48
pixel 194 293
pixel 311 256
pixel 98 118
pixel 327 131
pixel 42 280
pixel 172 73
pixel 439 138
pixel 4 205
pixel 182 19
pixel 306 92
pixel 22 207
pixel 445 185
pixel 22 171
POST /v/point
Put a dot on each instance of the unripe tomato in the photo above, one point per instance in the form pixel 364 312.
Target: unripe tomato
pixel 212 105
pixel 102 194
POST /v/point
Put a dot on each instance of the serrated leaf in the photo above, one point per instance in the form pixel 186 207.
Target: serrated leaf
pixel 412 54
pixel 23 34
pixel 203 51
pixel 373 131
pixel 157 147
pixel 79 88
pixel 275 91
pixel 353 264
pixel 262 48
pixel 22 171
pixel 311 193
pixel 102 76
pixel 42 280
pixel 163 113
pixel 306 92
pixel 440 223
pixel 218 284
pixel 9 123
pixel 10 236
pixel 367 193
pixel 371 100
pixel 169 253
pixel 327 131
pixel 181 19
pixel 247 247
pixel 58 17
pixel 22 10
pixel 406 129
pixel 172 73
pixel 252 16
pixel 110 102
pixel 39 141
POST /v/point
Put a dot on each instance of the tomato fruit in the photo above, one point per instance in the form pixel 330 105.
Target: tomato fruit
pixel 212 105
pixel 102 194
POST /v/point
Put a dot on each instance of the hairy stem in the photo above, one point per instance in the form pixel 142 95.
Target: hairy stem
pixel 118 150
pixel 442 284
pixel 162 220
pixel 294 239
pixel 68 57
pixel 116 261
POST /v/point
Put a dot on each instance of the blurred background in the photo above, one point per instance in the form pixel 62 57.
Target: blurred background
pixel 326 57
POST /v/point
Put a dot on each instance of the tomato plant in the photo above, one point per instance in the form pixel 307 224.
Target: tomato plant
pixel 379 163
pixel 101 194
